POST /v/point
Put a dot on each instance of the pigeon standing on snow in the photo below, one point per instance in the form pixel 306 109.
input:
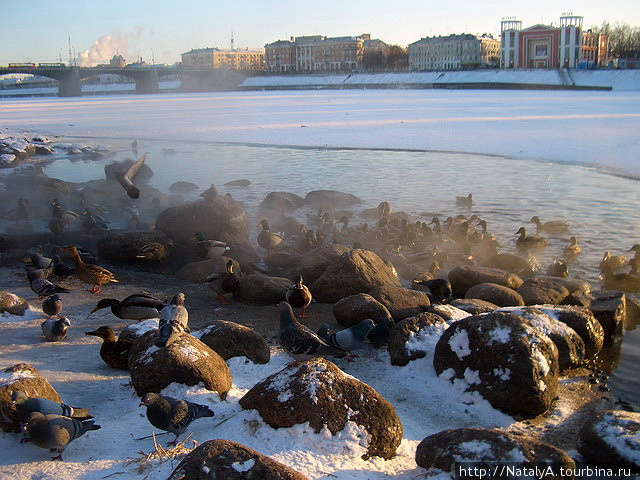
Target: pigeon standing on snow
pixel 55 432
pixel 172 415
pixel 349 339
pixel 41 286
pixel 173 321
pixel 300 342
pixel 55 329
pixel 52 305
pixel 25 405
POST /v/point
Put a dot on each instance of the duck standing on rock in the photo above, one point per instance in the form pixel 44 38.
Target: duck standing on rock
pixel 222 283
pixel 92 274
pixel 174 320
pixel 139 306
pixel 115 353
pixel 299 296
pixel 267 239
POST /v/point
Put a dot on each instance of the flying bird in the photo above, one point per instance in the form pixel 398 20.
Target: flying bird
pixel 126 178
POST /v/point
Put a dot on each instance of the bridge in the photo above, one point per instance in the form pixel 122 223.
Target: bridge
pixel 146 77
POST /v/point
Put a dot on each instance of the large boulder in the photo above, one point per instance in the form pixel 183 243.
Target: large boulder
pixel 187 360
pixel 353 309
pixel 318 392
pixel 612 440
pixel 231 461
pixel 124 246
pixel 610 310
pixel 27 379
pixel 540 291
pixel 464 277
pixel 330 199
pixel 317 260
pixel 220 218
pixel 197 272
pixel 12 303
pixel 503 357
pixel 230 339
pixel 449 313
pixel 260 289
pixel 487 448
pixel 134 332
pixel 414 337
pixel 277 202
pixel 496 294
pixel 401 302
pixel 356 271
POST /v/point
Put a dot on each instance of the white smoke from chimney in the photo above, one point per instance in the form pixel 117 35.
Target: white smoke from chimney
pixel 106 47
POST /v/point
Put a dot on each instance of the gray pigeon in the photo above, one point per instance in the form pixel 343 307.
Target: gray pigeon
pixel 37 261
pixel 55 432
pixel 52 305
pixel 25 405
pixel 55 329
pixel 42 286
pixel 173 321
pixel 172 415
pixel 349 339
pixel 300 342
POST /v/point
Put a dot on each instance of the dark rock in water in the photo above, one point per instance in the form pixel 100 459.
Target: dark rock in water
pixel 276 202
pixel 524 267
pixel 503 357
pixel 27 379
pixel 187 360
pixel 485 447
pixel 231 461
pixel 356 271
pixel 473 306
pixel 496 294
pixel 401 302
pixel 230 339
pixel 318 392
pixel 197 272
pixel 330 199
pixel 238 183
pixel 124 246
pixel 259 289
pixel 466 276
pixel 612 440
pixel 353 309
pixel 183 188
pixel 609 309
pixel 414 337
pixel 12 303
pixel 319 259
pixel 539 291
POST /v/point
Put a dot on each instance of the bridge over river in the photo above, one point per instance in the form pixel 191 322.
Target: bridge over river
pixel 146 77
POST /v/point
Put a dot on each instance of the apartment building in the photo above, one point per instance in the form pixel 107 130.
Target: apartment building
pixel 233 59
pixel 454 52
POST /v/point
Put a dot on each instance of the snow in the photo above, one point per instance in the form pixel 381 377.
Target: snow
pixel 619 433
pixel 500 334
pixel 243 466
pixel 459 343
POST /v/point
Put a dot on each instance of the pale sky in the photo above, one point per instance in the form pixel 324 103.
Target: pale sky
pixel 38 30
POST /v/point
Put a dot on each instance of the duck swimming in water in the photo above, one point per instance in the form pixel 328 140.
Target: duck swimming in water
pixel 524 242
pixel 573 249
pixel 552 227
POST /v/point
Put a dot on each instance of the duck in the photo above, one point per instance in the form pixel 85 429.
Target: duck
pixel 92 274
pixel 552 227
pixel 573 249
pixel 525 242
pixel 558 268
pixel 115 353
pixel 299 296
pixel 223 282
pixel 612 263
pixel 209 248
pixel 154 251
pixel 266 239
pixel 464 201
pixel 636 250
pixel 139 306
pixel 625 282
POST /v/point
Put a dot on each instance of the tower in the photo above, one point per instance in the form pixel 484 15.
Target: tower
pixel 570 40
pixel 509 42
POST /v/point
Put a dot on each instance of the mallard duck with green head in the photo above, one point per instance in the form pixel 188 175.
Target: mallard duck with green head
pixel 139 306
pixel 299 296
pixel 209 248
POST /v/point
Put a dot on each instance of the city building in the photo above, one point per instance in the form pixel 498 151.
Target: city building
pixel 547 46
pixel 233 59
pixel 454 52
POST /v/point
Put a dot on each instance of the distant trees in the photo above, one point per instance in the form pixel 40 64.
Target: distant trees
pixel 393 58
pixel 624 40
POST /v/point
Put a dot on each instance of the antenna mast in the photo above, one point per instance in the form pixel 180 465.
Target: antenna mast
pixel 70 57
pixel 231 39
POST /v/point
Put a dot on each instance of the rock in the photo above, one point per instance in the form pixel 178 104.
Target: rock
pixel 496 294
pixel 466 276
pixel 276 202
pixel 484 447
pixel 474 306
pixel 632 309
pixel 283 262
pixel 318 392
pixel 260 289
pixel 353 309
pixel 197 272
pixel 134 332
pixel 449 313
pixel 504 358
pixel 401 302
pixel 220 218
pixel 230 339
pixel 183 188
pixel 238 183
pixel 414 337
pixel 12 303
pixel 7 159
pixel 187 360
pixel 571 349
pixel 231 461
pixel 330 199
pixel 510 262
pixel 579 298
pixel 27 379
pixel 356 271
pixel 319 259
pixel 241 251
pixel 612 440
pixel 123 247
pixel 540 291
pixel 609 309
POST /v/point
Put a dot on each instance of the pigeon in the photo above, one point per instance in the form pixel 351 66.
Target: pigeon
pixel 172 415
pixel 55 329
pixel 55 432
pixel 126 178
pixel 173 321
pixel 300 342
pixel 24 405
pixel 379 334
pixel 52 305
pixel 42 286
pixel 37 261
pixel 349 339
pixel 299 296
pixel 439 289
pixel 61 269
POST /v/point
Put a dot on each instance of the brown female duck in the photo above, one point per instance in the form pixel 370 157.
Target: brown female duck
pixel 92 274
pixel 115 353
